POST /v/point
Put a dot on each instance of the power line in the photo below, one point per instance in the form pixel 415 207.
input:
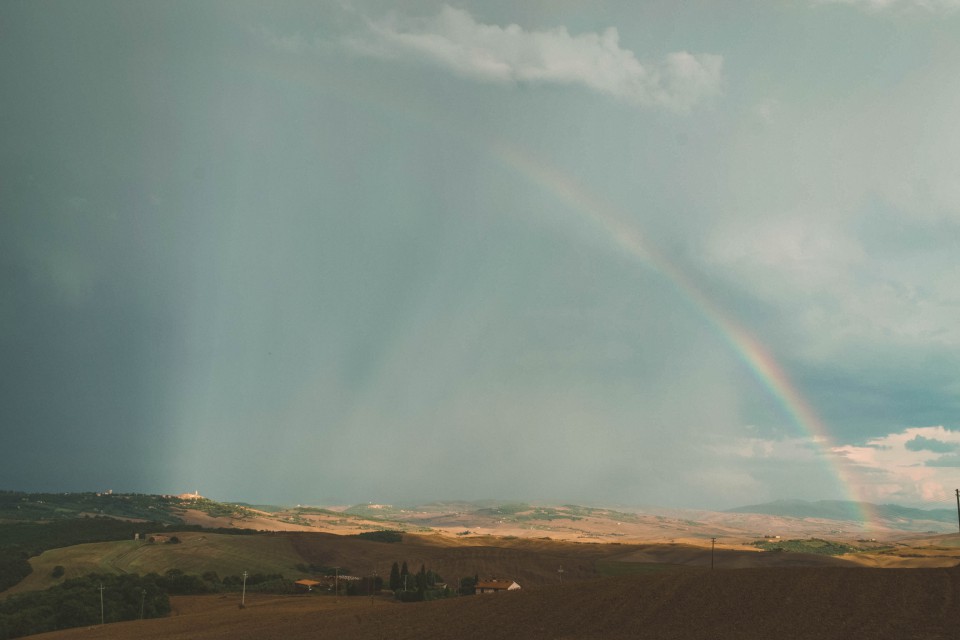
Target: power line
pixel 243 598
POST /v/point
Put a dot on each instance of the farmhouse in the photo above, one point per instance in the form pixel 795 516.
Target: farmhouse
pixel 495 586
pixel 306 585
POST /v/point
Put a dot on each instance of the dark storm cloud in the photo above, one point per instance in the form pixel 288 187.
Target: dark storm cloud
pixel 920 443
pixel 90 265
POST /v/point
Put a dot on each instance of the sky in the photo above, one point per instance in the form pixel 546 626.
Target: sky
pixel 676 253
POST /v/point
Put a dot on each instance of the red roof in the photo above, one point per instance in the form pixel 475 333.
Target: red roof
pixel 307 583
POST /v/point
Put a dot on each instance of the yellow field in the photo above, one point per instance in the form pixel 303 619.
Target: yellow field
pixel 197 553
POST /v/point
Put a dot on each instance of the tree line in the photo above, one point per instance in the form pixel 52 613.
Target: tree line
pixel 425 584
pixel 77 602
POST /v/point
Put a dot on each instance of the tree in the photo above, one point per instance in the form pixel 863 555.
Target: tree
pixel 422 580
pixel 404 572
pixel 468 585
pixel 395 581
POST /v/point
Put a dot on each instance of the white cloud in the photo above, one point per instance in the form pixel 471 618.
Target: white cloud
pixel 804 249
pixel 455 41
pixel 882 5
pixel 836 292
pixel 916 466
pixel 766 110
pixel 780 467
pixel 288 43
pixel 752 448
pixel 844 217
pixel 894 467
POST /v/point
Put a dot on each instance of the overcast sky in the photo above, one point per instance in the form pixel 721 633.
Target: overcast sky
pixel 690 254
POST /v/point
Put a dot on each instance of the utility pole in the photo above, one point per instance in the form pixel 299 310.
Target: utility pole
pixel 243 597
pixel 336 584
pixel 143 598
pixel 713 544
pixel 958 507
pixel 101 603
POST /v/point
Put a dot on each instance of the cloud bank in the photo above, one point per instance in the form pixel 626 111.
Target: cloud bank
pixel 453 40
pixel 881 5
pixel 917 464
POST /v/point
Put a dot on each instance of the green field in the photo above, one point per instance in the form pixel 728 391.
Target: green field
pixel 197 553
pixel 810 545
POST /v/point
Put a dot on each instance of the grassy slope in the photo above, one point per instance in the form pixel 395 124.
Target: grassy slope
pixel 197 553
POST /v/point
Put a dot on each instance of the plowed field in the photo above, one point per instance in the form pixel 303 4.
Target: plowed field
pixel 758 603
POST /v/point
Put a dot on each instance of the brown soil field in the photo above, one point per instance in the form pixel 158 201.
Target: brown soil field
pixel 783 603
pixel 533 562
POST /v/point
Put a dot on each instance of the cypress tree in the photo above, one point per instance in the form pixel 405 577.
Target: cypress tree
pixel 395 581
pixel 422 579
pixel 404 572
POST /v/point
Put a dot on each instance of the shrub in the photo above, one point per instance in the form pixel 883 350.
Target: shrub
pixel 382 536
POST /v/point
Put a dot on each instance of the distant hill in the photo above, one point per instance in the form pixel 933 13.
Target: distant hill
pixel 490 517
pixel 846 510
pixel 17 506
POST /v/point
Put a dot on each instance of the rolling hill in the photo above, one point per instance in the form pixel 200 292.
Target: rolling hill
pixel 532 562
pixel 622 573
pixel 891 514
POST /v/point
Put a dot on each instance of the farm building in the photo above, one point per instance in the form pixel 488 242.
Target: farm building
pixel 494 586
pixel 306 585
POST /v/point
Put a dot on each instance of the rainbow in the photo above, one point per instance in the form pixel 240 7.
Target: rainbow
pixel 608 220
pixel 605 218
